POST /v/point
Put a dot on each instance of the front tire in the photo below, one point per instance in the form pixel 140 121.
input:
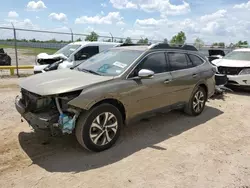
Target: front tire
pixel 197 102
pixel 99 128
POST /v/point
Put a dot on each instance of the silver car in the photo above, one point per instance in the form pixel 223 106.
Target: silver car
pixel 96 98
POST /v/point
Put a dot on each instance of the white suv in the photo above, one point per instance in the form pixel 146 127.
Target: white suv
pixel 236 65
pixel 70 55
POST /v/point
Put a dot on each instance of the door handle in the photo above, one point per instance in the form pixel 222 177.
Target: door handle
pixel 167 81
pixel 195 75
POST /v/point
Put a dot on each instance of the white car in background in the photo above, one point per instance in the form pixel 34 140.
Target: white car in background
pixel 70 55
pixel 236 65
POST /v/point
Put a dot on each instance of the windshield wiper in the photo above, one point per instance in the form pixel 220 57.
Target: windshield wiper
pixel 89 71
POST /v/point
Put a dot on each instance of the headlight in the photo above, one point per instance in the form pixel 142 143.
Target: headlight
pixel 53 66
pixel 245 71
pixel 213 64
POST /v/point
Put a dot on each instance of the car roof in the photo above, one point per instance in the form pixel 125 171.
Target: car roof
pixel 152 48
pixel 82 43
pixel 138 48
pixel 145 48
pixel 243 50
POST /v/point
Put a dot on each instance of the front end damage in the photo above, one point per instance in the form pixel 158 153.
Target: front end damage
pixel 45 59
pixel 48 112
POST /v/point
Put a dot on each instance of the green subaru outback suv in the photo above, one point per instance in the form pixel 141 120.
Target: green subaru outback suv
pixel 96 98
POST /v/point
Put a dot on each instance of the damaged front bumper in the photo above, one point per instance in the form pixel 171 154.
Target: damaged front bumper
pixel 40 68
pixel 37 121
pixel 50 119
pixel 239 80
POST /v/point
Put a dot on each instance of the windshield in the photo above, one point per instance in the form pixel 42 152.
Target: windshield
pixel 238 55
pixel 111 62
pixel 68 49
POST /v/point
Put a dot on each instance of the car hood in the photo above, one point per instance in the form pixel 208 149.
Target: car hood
pixel 54 56
pixel 60 81
pixel 231 63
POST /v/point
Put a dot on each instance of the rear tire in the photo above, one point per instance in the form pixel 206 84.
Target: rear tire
pixel 99 128
pixel 197 102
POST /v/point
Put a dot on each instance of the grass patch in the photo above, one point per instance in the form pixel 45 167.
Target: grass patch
pixel 31 51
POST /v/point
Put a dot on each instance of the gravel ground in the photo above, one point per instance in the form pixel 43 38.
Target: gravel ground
pixel 168 150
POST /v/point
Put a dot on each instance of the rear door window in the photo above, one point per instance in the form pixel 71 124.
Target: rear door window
pixel 155 62
pixel 178 61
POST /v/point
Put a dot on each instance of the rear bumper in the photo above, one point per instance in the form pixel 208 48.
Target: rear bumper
pixel 39 120
pixel 239 80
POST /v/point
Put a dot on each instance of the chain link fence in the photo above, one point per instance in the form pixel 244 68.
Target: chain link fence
pixel 23 45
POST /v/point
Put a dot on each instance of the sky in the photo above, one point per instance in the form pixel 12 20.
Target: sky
pixel 211 20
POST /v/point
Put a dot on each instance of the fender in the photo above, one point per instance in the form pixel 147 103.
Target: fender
pixel 94 94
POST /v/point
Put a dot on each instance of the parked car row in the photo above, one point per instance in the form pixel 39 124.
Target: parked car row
pixel 95 97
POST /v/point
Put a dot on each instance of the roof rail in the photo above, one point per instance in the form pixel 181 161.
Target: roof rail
pixel 167 46
pixel 127 44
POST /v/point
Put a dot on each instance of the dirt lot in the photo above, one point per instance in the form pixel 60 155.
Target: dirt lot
pixel 168 150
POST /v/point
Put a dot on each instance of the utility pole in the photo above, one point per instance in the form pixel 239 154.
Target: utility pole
pixel 112 38
pixel 17 69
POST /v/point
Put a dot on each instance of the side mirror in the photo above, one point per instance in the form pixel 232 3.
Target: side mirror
pixel 81 57
pixel 145 73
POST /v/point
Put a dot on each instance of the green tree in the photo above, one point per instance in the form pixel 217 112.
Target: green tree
pixel 242 43
pixel 221 44
pixel 33 40
pixel 143 41
pixel 120 41
pixel 179 39
pixel 198 43
pixel 52 40
pixel 92 37
pixel 128 41
pixel 78 40
pixel 215 44
pixel 108 40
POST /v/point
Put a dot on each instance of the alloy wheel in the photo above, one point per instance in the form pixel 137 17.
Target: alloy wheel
pixel 103 129
pixel 199 101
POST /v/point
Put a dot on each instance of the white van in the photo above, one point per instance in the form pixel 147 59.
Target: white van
pixel 70 55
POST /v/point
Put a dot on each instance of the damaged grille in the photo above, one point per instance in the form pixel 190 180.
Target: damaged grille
pixel 36 103
pixel 230 70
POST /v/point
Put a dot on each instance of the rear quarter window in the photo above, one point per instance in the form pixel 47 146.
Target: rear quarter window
pixel 178 61
pixel 195 60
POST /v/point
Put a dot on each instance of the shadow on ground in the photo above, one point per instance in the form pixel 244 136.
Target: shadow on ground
pixel 235 91
pixel 240 91
pixel 64 154
pixel 220 96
